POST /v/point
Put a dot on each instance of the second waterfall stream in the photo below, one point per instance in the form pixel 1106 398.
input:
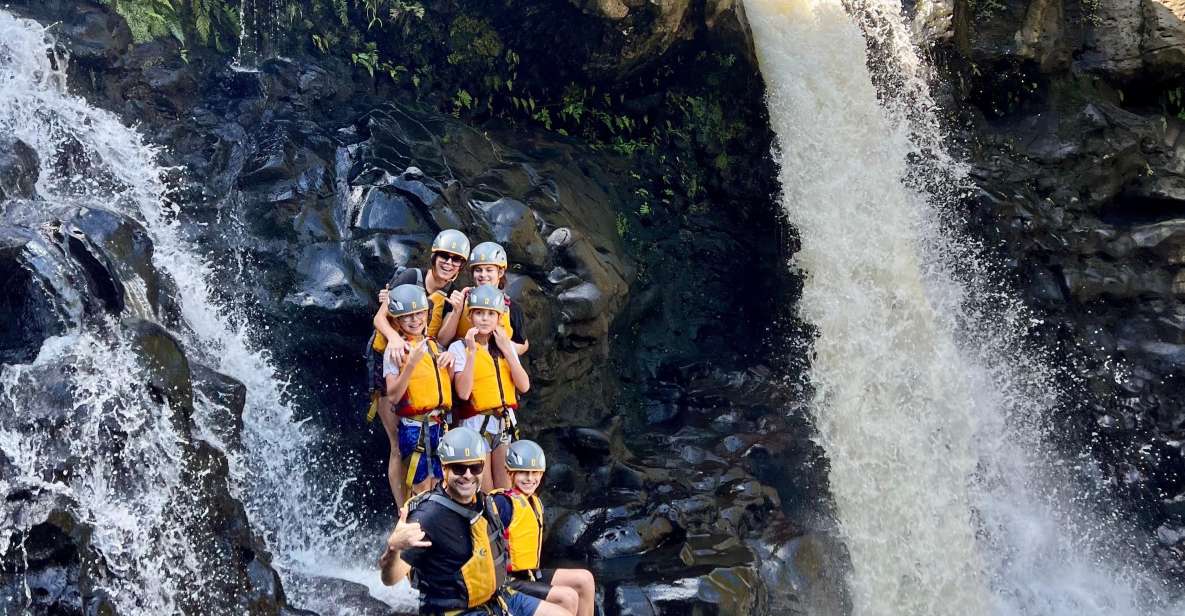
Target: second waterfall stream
pixel 928 406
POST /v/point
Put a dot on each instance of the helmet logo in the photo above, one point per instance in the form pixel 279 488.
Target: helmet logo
pixel 467 451
pixel 534 462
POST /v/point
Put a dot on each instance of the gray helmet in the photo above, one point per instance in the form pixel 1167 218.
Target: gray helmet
pixel 525 456
pixel 452 242
pixel 488 297
pixel 407 299
pixel 462 445
pixel 488 253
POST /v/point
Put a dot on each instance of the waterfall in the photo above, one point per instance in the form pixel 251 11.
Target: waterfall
pixel 282 475
pixel 930 407
pixel 257 33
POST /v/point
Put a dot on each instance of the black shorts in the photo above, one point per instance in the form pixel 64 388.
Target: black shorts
pixel 539 587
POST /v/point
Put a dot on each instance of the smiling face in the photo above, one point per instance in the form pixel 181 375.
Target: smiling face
pixel 526 481
pixel 413 324
pixel 484 320
pixel 462 481
pixel 446 265
pixel 487 274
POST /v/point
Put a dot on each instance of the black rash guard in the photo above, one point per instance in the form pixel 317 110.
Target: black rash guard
pixel 434 569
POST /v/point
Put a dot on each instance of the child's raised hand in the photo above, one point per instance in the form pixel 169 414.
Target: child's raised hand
pixel 417 351
pixel 503 341
pixel 397 347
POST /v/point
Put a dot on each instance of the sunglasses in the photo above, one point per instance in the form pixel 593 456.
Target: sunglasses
pixel 450 257
pixel 474 469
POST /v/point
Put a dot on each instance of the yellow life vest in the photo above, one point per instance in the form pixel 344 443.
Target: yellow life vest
pixel 493 388
pixel 436 303
pixel 464 324
pixel 525 532
pixel 481 573
pixel 485 570
pixel 429 387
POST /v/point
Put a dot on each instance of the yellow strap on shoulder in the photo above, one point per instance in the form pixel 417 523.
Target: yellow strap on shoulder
pixel 374 406
pixel 413 463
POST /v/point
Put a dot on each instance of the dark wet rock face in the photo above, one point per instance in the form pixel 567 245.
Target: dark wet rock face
pixel 18 169
pixel 62 263
pixel 50 560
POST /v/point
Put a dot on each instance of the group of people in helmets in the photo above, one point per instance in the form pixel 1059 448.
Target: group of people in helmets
pixel 446 375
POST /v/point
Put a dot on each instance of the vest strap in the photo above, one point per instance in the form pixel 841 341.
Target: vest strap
pixel 452 505
pixel 436 415
pixel 413 461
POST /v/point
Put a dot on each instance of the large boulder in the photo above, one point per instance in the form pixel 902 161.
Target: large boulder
pixel 47 563
pixel 19 169
pixel 64 262
pixel 1124 41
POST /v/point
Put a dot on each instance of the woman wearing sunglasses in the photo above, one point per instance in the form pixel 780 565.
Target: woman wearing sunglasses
pixel 488 377
pixel 449 250
pixel 452 543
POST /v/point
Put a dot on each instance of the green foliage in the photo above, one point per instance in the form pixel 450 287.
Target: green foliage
pixel 369 60
pixel 322 43
pixel 192 22
pixel 403 8
pixel 462 100
pixel 986 10
pixel 474 42
pixel 377 11
pixel 630 147
pixel 342 10
pixel 1173 102
pixel 149 19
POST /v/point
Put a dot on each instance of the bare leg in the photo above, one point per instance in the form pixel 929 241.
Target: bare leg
pixel 564 597
pixel 551 609
pixel 580 580
pixel 424 486
pixel 498 460
pixel 394 461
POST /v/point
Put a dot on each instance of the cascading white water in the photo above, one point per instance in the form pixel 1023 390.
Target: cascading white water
pixel 278 475
pixel 258 32
pixel 931 410
pixel 129 505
